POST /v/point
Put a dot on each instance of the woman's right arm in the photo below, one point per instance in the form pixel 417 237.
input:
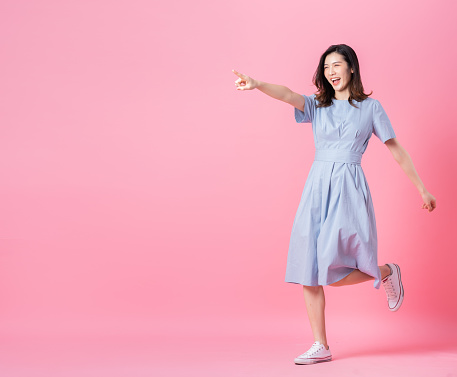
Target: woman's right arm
pixel 278 92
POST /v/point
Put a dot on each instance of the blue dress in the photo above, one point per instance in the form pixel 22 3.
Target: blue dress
pixel 334 230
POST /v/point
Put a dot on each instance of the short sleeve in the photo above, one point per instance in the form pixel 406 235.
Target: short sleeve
pixel 382 127
pixel 307 115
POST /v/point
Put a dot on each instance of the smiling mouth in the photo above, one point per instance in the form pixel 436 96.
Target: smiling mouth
pixel 336 81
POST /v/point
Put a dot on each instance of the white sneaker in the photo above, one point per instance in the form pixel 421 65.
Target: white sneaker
pixel 394 288
pixel 316 354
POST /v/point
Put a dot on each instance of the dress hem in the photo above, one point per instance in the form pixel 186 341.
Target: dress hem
pixel 376 286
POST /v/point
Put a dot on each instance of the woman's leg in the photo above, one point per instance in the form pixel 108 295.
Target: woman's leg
pixel 315 300
pixel 315 307
pixel 358 276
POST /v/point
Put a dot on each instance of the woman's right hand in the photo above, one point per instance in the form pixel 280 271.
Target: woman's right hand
pixel 244 82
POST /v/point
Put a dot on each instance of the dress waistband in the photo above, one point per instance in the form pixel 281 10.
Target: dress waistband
pixel 338 155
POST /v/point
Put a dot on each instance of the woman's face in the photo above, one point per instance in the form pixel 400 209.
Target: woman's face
pixel 337 72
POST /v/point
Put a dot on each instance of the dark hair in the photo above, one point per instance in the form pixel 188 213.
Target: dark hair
pixel 325 91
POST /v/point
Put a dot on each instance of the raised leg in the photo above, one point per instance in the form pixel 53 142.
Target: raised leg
pixel 315 307
pixel 357 276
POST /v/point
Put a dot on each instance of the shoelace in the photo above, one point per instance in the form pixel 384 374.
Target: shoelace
pixel 390 290
pixel 314 349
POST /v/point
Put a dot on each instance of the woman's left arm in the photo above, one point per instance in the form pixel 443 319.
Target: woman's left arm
pixel 404 160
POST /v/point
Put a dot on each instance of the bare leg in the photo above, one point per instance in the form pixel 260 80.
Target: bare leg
pixel 315 307
pixel 357 276
pixel 315 300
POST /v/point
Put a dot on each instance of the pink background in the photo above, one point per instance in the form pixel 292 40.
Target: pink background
pixel 146 205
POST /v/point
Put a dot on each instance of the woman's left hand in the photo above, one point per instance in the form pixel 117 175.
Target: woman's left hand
pixel 429 201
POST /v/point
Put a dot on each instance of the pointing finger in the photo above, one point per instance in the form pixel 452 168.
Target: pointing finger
pixel 238 74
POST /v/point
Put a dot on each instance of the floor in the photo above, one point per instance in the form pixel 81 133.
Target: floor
pixel 254 348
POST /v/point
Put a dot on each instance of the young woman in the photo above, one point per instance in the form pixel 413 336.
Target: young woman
pixel 334 237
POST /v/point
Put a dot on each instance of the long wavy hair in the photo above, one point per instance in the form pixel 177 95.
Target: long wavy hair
pixel 325 91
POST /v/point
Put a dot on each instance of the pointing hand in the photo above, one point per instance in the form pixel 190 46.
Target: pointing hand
pixel 244 82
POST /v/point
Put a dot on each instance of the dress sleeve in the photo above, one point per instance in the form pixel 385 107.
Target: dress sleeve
pixel 307 115
pixel 382 127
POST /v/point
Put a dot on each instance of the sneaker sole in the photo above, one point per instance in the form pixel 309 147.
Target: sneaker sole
pixel 402 291
pixel 312 361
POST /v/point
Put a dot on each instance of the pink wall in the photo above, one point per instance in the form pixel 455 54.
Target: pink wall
pixel 138 186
